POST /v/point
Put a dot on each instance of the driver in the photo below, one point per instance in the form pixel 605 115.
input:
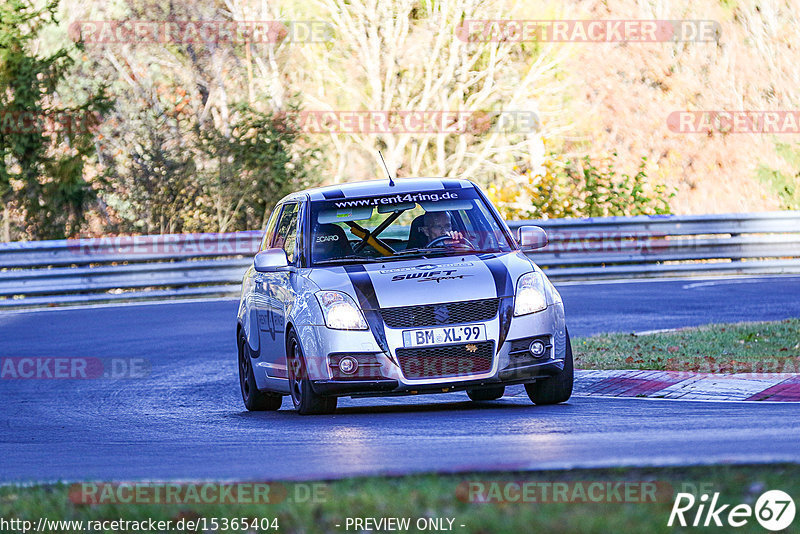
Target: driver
pixel 437 224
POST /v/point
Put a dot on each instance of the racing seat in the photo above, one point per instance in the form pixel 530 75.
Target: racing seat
pixel 329 241
pixel 416 238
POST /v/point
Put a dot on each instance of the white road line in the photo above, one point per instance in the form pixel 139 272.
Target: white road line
pixel 731 281
pixel 706 282
pixel 706 279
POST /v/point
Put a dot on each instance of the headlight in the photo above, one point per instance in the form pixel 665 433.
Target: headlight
pixel 554 293
pixel 340 312
pixel 530 294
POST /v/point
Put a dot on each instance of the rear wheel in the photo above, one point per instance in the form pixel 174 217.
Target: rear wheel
pixel 305 400
pixel 486 394
pixel 554 389
pixel 254 400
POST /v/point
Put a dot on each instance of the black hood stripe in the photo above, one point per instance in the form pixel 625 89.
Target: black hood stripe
pixel 504 287
pixel 368 301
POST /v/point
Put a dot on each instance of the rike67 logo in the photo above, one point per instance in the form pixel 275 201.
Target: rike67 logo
pixel 774 510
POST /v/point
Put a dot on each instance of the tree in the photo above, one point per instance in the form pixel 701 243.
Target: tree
pixel 258 162
pixel 419 56
pixel 188 146
pixel 44 144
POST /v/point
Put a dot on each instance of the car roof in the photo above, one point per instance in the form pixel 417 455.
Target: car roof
pixel 380 187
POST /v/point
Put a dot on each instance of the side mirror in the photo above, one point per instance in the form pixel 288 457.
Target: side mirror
pixel 531 237
pixel 270 260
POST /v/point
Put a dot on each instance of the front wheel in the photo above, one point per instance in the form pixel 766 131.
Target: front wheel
pixel 554 389
pixel 486 394
pixel 305 400
pixel 254 400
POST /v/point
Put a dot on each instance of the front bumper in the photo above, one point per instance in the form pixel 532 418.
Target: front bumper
pixel 390 387
pixel 509 365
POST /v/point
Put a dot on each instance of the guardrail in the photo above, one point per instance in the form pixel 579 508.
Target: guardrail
pixel 670 245
pixel 145 267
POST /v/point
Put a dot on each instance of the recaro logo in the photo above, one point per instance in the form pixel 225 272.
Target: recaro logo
pixel 774 510
pixel 326 238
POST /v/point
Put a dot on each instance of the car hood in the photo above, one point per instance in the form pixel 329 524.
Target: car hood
pixel 426 281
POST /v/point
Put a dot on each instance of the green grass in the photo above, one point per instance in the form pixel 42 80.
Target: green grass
pixel 445 496
pixel 723 348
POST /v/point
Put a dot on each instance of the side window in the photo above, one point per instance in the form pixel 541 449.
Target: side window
pixel 269 233
pixel 286 232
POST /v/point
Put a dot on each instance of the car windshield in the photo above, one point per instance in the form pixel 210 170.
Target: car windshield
pixel 405 225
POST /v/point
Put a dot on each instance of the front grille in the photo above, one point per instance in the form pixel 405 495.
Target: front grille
pixel 440 314
pixel 451 360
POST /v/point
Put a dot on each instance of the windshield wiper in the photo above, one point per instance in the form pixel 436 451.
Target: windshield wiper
pixel 348 259
pixel 488 251
pixel 437 250
pixel 425 250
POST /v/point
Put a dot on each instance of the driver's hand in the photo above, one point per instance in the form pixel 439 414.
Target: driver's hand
pixel 454 235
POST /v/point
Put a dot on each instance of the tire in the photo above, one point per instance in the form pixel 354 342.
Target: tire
pixel 305 400
pixel 554 389
pixel 486 394
pixel 254 400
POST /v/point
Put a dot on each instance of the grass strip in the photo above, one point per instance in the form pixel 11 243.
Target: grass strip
pixel 763 347
pixel 321 506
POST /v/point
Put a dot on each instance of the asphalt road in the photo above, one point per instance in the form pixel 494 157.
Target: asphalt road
pixel 185 419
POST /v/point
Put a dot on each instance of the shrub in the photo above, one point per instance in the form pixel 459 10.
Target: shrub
pixel 579 187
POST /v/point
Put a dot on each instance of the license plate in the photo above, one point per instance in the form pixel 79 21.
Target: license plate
pixel 444 335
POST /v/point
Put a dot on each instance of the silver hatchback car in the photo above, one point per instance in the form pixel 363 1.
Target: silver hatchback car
pixel 372 288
